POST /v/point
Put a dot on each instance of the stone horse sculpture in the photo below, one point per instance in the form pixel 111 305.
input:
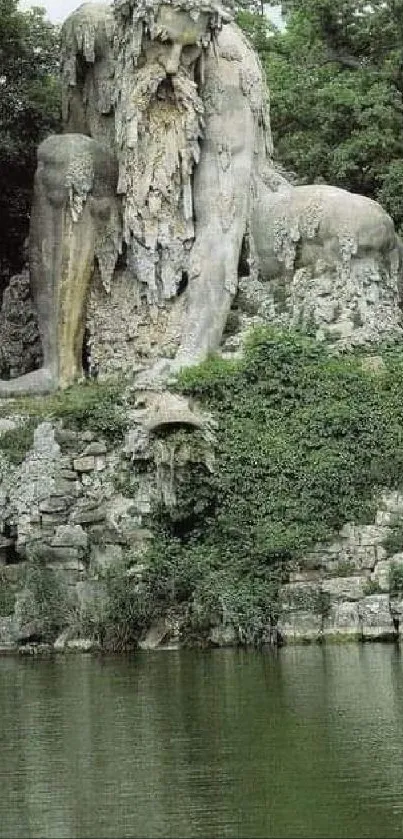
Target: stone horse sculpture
pixel 161 181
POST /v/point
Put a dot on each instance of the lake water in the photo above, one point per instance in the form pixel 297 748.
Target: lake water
pixel 306 742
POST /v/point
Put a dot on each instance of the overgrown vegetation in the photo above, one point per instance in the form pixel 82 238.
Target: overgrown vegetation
pixel 393 543
pixel 336 86
pixel 305 441
pixel 29 111
pixel 16 442
pixel 44 607
pixel 88 406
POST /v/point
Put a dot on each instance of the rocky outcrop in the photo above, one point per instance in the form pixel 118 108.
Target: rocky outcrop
pixel 75 512
pixel 349 590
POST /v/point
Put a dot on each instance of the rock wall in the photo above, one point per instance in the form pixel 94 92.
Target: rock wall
pixel 76 508
pixel 349 590
pixel 145 332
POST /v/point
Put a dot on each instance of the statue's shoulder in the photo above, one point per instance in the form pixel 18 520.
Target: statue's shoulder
pixel 233 45
pixel 86 25
pixel 242 65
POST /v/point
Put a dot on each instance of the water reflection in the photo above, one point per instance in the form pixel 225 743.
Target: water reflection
pixel 307 742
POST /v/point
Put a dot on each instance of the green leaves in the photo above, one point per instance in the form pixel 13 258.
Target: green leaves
pixel 29 110
pixel 304 442
pixel 336 82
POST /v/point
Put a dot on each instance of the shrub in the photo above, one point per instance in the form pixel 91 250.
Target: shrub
pixel 125 612
pixel 393 543
pixel 86 406
pixel 304 442
pixel 16 442
pixel 44 606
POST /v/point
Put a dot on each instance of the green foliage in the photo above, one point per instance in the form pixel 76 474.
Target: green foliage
pixel 92 406
pixel 371 587
pixel 336 83
pixel 126 612
pixel 393 543
pixel 305 440
pixel 16 442
pixel 44 605
pixel 87 406
pixel 29 110
pixel 7 595
pixel 396 579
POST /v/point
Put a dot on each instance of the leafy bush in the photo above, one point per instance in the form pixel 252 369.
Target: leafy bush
pixel 44 605
pixel 126 612
pixel 93 406
pixel 85 406
pixel 30 110
pixel 336 88
pixel 393 543
pixel 16 442
pixel 305 441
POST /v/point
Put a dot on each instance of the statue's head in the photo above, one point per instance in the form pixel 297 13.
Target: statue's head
pixel 177 30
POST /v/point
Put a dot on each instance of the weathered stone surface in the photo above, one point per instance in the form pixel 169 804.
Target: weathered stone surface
pixel 171 409
pixel 223 636
pixel 7 425
pixel 92 598
pixel 20 350
pixel 375 617
pixel 95 449
pixel 84 464
pixel 381 574
pixel 61 640
pixel 68 475
pixel 8 634
pixel 55 504
pixel 81 645
pixel 345 588
pixel 88 514
pixel 323 259
pixel 138 570
pixel 70 536
pixel 157 636
pixel 59 554
pixel 342 622
pixel 300 596
pixel 298 627
pixel 105 556
pixel 35 481
pixel 51 520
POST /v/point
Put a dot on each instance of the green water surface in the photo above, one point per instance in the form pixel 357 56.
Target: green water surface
pixel 305 742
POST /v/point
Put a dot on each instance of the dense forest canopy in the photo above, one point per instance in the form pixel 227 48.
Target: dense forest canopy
pixel 336 83
pixel 29 110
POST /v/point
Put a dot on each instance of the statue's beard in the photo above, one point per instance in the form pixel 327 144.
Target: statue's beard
pixel 159 123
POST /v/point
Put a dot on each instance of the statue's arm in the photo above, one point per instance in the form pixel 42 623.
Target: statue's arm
pixel 222 186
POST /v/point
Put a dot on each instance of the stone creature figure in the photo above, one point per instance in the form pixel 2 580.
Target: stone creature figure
pixel 162 179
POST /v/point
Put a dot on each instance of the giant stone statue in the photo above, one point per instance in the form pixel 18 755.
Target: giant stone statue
pixel 160 201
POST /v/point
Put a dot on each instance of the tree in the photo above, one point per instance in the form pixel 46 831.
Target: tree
pixel 336 89
pixel 29 110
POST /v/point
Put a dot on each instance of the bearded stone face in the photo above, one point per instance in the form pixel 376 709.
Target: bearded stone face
pixel 179 38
